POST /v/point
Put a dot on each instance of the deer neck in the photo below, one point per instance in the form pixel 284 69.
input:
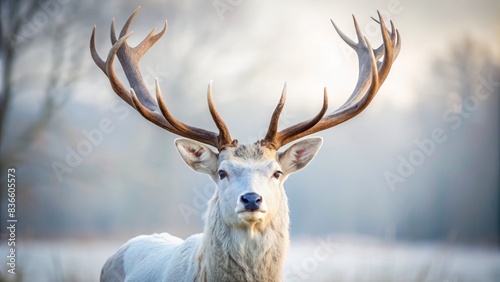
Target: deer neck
pixel 232 254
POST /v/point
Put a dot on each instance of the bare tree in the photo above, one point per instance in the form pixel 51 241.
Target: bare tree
pixel 22 24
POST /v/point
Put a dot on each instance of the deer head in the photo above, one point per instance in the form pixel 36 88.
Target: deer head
pixel 249 178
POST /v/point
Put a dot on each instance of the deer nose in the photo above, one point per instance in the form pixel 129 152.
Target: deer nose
pixel 251 201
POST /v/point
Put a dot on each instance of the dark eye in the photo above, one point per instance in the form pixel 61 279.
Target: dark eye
pixel 222 174
pixel 277 174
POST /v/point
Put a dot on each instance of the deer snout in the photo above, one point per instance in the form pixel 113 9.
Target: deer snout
pixel 251 201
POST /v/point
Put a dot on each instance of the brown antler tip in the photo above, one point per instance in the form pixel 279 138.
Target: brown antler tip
pixel 92 37
pixel 381 19
pixel 210 97
pixel 135 100
pixel 283 95
pixel 136 11
pixel 224 136
pixel 325 100
pixel 158 90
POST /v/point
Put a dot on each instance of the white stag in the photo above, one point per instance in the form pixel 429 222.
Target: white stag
pixel 246 232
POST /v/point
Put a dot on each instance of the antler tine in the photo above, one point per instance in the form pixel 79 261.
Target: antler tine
pixel 394 38
pixel 93 52
pixel 164 109
pixel 150 40
pixel 148 114
pixel 112 32
pixel 388 50
pixel 286 136
pixel 154 110
pixel 224 136
pixel 176 126
pixel 129 21
pixel 273 125
pixel 398 44
pixel 276 139
pixel 371 75
pixel 186 130
pixel 343 35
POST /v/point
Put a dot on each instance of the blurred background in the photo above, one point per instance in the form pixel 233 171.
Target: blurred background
pixel 407 191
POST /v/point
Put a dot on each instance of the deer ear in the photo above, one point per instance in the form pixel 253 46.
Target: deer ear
pixel 196 155
pixel 300 154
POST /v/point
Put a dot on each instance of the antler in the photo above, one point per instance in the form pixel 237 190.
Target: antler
pixel 372 73
pixel 139 96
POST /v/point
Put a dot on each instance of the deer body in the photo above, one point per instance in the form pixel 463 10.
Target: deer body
pixel 246 232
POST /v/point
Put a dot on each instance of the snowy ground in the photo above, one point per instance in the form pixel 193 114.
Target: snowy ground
pixel 348 259
pixel 318 259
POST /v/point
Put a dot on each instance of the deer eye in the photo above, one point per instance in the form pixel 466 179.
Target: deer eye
pixel 222 174
pixel 277 174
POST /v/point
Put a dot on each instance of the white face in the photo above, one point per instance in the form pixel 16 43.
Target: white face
pixel 250 192
pixel 249 178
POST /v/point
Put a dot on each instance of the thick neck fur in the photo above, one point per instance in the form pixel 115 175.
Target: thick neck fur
pixel 231 254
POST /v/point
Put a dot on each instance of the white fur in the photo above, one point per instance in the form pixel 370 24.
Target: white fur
pixel 237 245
